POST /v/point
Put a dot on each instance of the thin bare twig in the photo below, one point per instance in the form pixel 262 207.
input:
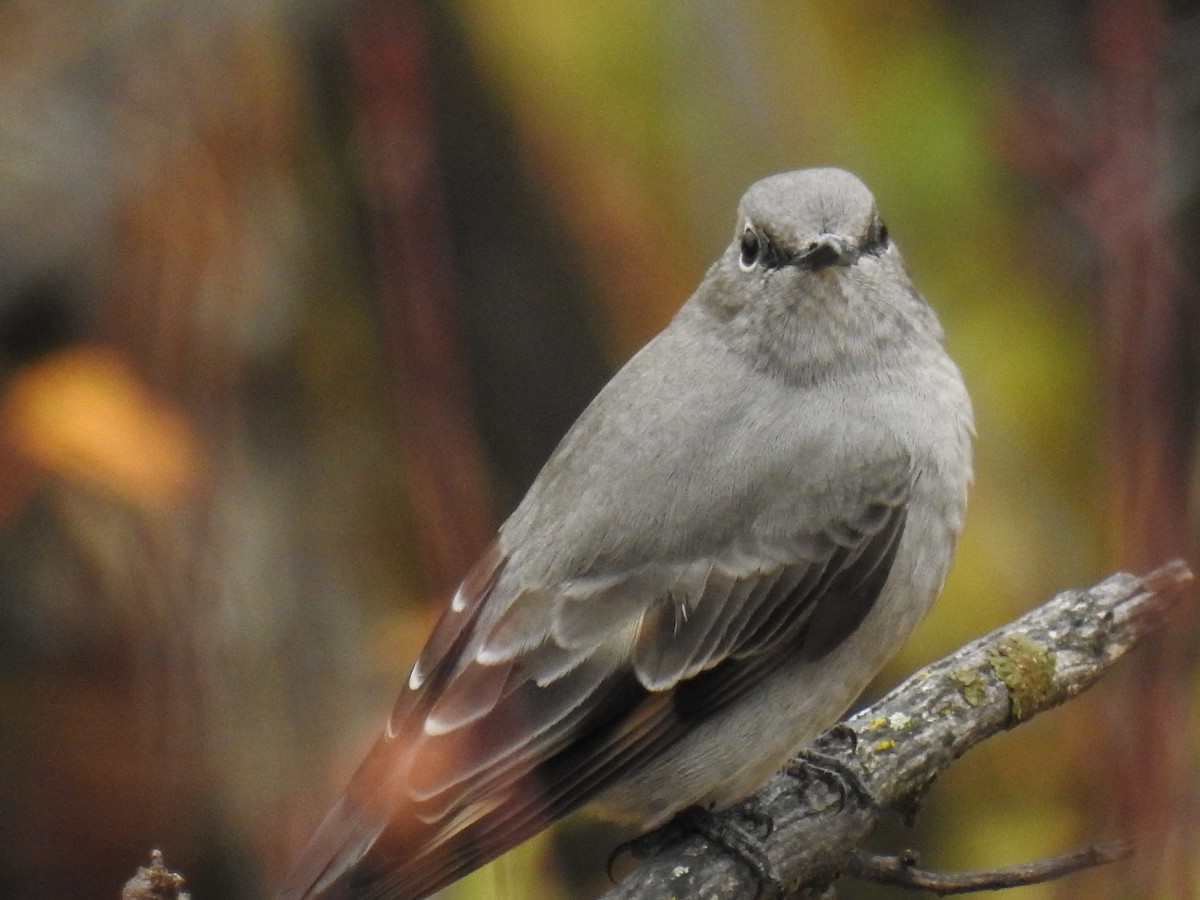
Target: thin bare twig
pixel 902 870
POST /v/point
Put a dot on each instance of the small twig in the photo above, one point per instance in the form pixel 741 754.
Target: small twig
pixel 155 882
pixel 902 871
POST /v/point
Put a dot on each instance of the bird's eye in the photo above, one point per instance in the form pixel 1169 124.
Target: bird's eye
pixel 752 249
pixel 878 238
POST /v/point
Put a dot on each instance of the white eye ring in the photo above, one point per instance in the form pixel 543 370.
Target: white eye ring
pixel 752 249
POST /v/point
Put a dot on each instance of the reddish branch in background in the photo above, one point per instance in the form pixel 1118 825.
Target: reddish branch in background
pixel 409 241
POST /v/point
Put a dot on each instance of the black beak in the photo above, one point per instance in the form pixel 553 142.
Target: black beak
pixel 827 250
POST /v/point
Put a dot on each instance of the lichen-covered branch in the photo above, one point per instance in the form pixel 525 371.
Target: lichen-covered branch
pixel 905 740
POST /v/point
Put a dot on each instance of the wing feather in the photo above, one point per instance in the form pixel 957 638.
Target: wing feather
pixel 530 700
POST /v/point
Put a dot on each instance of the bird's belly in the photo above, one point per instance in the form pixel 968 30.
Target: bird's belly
pixel 730 755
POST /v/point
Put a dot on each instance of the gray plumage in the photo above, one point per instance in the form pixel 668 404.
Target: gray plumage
pixel 724 549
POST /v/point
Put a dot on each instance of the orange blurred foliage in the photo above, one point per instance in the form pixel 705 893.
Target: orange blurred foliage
pixel 83 414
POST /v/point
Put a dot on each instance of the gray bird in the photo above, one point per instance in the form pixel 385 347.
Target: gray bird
pixel 724 549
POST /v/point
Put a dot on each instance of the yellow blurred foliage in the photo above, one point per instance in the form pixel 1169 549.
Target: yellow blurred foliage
pixel 83 414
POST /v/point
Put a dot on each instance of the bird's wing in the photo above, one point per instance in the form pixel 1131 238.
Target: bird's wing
pixel 528 700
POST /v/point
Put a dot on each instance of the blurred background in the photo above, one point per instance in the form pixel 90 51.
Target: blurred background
pixel 296 297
